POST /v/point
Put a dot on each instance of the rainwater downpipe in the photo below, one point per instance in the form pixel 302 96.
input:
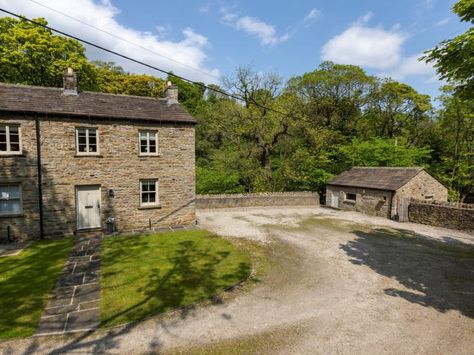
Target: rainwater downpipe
pixel 40 177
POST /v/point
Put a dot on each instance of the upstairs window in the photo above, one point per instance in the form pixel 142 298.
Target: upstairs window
pixel 87 141
pixel 10 142
pixel 148 142
pixel 148 193
pixel 10 200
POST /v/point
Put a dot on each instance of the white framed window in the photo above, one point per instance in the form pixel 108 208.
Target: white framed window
pixel 149 192
pixel 10 139
pixel 350 197
pixel 11 202
pixel 87 141
pixel 148 142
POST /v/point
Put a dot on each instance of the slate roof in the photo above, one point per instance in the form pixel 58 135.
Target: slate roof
pixel 52 101
pixel 381 178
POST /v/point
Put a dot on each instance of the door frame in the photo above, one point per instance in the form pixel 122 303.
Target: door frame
pixel 338 193
pixel 99 188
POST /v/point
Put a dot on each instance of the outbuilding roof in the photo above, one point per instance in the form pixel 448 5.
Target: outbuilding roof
pixel 53 101
pixel 380 178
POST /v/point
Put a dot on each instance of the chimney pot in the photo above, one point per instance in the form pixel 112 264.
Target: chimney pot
pixel 70 82
pixel 171 93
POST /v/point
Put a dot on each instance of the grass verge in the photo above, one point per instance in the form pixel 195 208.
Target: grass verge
pixel 147 275
pixel 26 281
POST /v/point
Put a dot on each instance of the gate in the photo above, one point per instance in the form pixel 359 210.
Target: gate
pixel 403 204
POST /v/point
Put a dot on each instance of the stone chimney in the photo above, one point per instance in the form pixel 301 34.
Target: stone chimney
pixel 70 82
pixel 171 93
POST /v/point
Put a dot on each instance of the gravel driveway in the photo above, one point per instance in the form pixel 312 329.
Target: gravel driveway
pixel 339 283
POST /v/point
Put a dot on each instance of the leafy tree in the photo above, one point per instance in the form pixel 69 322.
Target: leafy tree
pixel 456 124
pixel 111 78
pixel 215 181
pixel 333 95
pixel 30 54
pixel 382 152
pixel 255 124
pixel 454 58
pixel 394 109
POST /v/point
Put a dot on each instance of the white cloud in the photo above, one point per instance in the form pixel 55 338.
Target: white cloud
pixel 377 48
pixel 312 15
pixel 266 33
pixel 410 66
pixel 189 50
pixel 366 18
pixel 443 22
pixel 205 8
pixel 360 44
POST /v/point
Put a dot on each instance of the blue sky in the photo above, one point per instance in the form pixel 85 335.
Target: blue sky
pixel 204 40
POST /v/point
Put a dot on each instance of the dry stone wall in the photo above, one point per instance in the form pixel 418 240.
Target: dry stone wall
pixel 442 214
pixel 257 199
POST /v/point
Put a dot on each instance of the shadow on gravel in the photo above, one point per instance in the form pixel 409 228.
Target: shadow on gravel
pixel 438 273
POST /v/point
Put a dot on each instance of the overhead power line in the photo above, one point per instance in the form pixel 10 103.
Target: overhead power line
pixel 204 86
pixel 124 40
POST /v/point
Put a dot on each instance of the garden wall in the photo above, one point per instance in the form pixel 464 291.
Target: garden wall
pixel 258 199
pixel 442 214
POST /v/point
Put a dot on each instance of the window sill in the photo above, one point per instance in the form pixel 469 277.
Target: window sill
pixel 149 155
pixel 13 215
pixel 78 155
pixel 150 207
pixel 11 154
pixel 349 202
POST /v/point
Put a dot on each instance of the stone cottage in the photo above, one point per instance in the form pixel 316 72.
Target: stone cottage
pixel 75 161
pixel 382 191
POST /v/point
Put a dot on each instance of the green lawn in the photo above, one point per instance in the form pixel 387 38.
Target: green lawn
pixel 26 281
pixel 147 275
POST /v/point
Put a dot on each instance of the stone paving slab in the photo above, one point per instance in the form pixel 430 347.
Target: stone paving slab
pixel 74 303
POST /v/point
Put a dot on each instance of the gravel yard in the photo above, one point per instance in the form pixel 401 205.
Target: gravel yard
pixel 338 283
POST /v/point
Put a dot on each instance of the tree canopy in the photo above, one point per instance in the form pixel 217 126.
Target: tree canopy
pixel 454 58
pixel 293 135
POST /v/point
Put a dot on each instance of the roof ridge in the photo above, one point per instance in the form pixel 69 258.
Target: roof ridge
pixel 388 167
pixel 19 85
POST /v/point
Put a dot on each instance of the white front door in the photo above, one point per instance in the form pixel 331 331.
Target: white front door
pixel 335 199
pixel 88 206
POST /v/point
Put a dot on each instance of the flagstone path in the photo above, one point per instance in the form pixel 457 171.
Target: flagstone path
pixel 74 305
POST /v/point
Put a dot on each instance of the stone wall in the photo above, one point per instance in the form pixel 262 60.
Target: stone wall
pixel 118 166
pixel 257 199
pixel 22 169
pixel 369 201
pixel 442 214
pixel 422 187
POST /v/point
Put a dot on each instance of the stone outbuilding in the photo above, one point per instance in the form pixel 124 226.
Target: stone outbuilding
pixel 74 161
pixel 382 191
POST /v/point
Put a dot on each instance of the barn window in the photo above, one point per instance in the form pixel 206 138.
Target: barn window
pixel 10 139
pixel 351 197
pixel 10 199
pixel 87 141
pixel 148 141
